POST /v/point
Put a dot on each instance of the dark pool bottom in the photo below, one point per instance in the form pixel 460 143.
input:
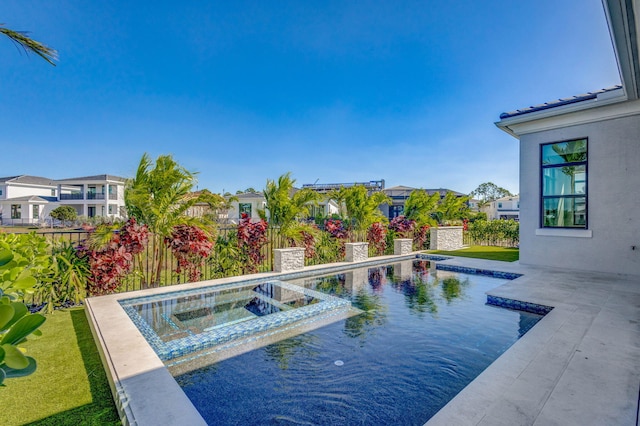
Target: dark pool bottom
pixel 421 339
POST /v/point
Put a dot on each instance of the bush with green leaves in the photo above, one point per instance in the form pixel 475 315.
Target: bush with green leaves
pixel 18 263
pixel 64 214
pixel 495 232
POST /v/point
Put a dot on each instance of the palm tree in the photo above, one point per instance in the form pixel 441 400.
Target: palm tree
pixel 21 39
pixel 159 197
pixel 284 204
pixel 452 207
pixel 362 208
pixel 420 207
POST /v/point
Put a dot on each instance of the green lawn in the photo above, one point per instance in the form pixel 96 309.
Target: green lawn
pixel 69 387
pixel 505 254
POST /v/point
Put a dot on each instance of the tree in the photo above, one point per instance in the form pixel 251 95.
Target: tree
pixel 64 214
pixel 21 39
pixel 452 207
pixel 362 208
pixel 284 204
pixel 159 197
pixel 488 192
pixel 420 207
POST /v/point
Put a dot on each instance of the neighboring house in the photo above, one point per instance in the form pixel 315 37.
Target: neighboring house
pixel 400 194
pixel 503 208
pixel 28 200
pixel 579 167
pixel 91 196
pixel 249 203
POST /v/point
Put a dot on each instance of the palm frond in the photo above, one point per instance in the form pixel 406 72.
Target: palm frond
pixel 21 39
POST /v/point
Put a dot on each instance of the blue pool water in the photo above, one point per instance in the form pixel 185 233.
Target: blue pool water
pixel 423 335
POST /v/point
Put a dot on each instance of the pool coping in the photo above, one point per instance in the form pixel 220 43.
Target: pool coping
pixel 554 374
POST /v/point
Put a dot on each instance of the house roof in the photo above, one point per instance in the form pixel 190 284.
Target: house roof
pixel 247 195
pixel 28 180
pixel 559 102
pixel 33 198
pixel 95 177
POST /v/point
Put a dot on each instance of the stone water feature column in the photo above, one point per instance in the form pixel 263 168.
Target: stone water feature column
pixel 356 252
pixel 402 246
pixel 288 259
pixel 446 238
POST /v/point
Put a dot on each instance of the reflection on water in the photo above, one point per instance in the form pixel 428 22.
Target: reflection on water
pixel 422 336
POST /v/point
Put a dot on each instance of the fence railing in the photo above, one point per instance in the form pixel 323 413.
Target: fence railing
pixel 167 275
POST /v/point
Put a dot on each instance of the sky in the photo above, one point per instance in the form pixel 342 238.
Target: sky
pixel 331 91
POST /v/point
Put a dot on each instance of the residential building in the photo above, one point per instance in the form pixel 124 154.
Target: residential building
pixel 503 208
pixel 400 194
pixel 579 173
pixel 28 200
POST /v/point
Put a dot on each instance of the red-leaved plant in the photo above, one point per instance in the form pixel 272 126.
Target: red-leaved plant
pixel 191 246
pixel 421 236
pixel 402 226
pixel 337 230
pixel 110 263
pixel 376 236
pixel 251 238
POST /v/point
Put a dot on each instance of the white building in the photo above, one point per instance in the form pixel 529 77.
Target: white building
pixel 503 208
pixel 579 173
pixel 28 200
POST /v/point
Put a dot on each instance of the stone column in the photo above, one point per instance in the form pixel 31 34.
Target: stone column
pixel 288 259
pixel 402 246
pixel 356 252
pixel 446 238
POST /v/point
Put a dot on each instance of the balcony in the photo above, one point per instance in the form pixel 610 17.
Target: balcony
pixel 113 196
pixel 72 196
pixel 94 196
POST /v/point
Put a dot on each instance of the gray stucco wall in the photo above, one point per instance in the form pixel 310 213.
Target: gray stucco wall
pixel 613 200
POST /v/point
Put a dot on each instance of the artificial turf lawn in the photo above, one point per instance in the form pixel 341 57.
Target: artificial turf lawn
pixel 69 386
pixel 504 254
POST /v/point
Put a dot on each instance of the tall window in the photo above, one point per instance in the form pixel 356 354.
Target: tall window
pixel 245 208
pixel 36 211
pixel 16 211
pixel 564 184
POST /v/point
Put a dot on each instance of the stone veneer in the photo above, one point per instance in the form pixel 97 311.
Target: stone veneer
pixel 446 238
pixel 402 246
pixel 288 259
pixel 357 252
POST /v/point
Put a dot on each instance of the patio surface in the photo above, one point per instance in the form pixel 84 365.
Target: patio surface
pixel 580 365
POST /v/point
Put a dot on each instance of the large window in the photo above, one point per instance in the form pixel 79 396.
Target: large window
pixel 16 211
pixel 564 184
pixel 36 211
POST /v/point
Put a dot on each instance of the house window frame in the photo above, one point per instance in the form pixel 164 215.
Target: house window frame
pixel 16 211
pixel 544 197
pixel 35 211
pixel 242 208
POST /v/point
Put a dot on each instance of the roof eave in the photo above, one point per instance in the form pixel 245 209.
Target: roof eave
pixel 623 28
pixel 608 98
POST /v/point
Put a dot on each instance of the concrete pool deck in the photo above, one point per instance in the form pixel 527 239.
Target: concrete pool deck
pixel 580 365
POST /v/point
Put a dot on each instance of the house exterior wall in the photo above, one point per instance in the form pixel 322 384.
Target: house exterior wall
pixel 23 190
pixel 613 211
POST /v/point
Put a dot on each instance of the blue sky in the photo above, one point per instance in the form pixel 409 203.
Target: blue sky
pixel 333 91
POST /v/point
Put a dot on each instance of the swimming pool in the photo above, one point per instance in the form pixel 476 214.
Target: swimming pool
pixel 423 334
